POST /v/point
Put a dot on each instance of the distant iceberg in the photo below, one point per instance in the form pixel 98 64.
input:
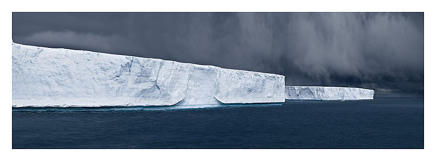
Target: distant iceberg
pixel 45 77
pixel 327 93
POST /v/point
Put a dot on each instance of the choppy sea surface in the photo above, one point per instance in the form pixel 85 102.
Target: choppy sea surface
pixel 365 124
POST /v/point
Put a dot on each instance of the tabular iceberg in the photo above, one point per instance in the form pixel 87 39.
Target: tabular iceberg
pixel 327 93
pixel 45 77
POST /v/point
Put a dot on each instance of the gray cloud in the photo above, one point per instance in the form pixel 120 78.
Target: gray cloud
pixel 81 40
pixel 373 50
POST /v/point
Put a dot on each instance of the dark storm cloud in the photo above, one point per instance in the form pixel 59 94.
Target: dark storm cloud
pixel 373 50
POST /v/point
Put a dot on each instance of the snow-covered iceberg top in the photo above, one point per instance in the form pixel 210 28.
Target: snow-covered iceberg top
pixel 45 77
pixel 327 93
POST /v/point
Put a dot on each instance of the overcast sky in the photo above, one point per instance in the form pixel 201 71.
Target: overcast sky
pixel 383 51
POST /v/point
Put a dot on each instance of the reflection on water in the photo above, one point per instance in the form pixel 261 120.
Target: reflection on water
pixel 379 123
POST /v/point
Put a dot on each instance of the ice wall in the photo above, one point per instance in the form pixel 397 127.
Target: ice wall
pixel 327 93
pixel 45 77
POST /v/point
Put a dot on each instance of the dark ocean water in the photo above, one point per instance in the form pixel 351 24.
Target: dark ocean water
pixel 379 123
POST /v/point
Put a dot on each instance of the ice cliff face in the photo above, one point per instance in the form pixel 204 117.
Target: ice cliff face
pixel 45 77
pixel 327 93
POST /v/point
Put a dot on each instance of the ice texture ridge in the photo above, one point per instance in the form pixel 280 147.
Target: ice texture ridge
pixel 327 93
pixel 46 77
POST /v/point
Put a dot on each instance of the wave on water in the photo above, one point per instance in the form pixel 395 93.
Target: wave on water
pixel 139 108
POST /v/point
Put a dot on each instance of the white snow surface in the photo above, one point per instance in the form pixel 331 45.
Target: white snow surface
pixel 327 93
pixel 46 77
